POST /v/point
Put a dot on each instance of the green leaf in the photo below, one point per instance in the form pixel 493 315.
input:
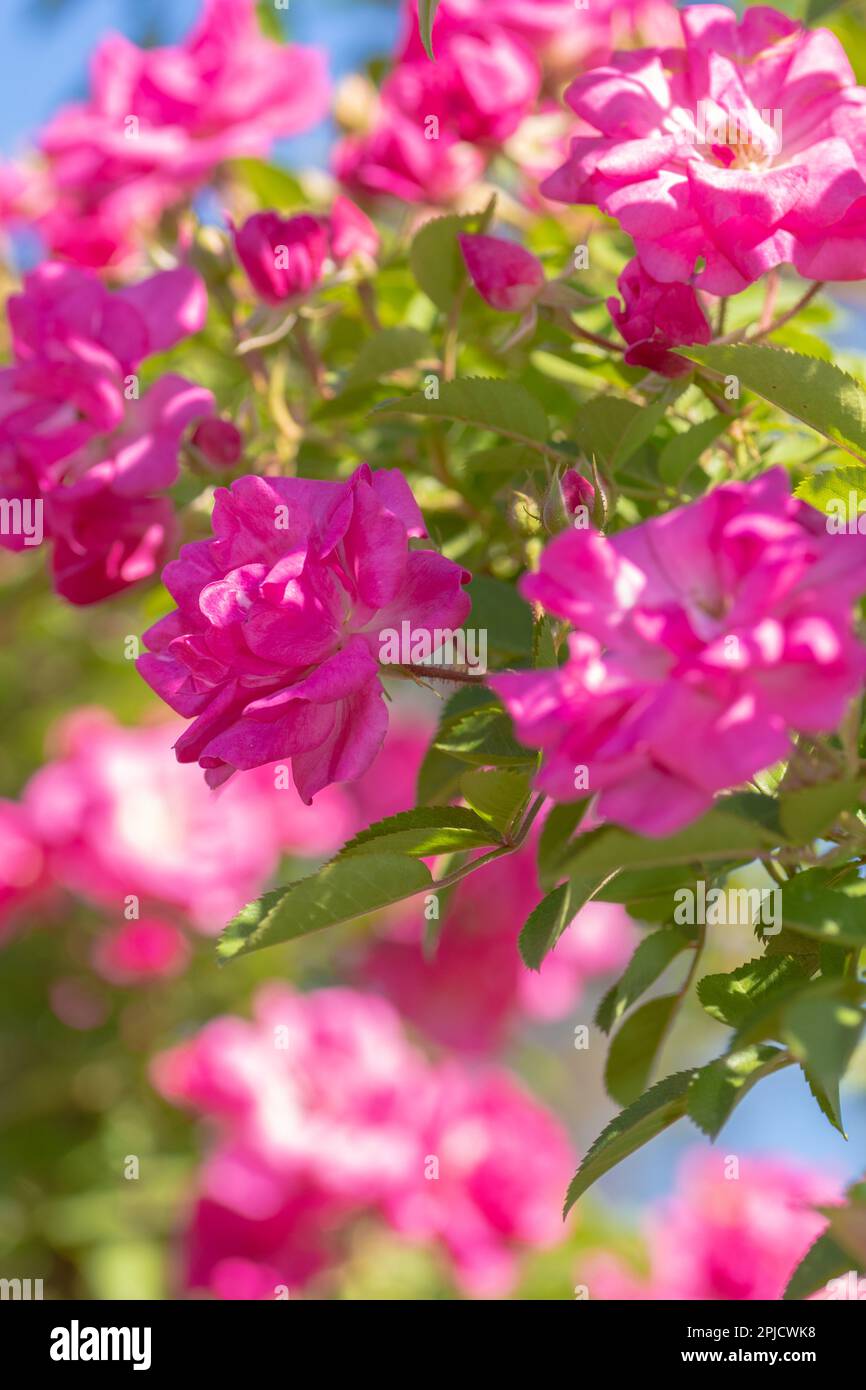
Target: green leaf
pixel 611 429
pixel 556 835
pixel 505 407
pixel 498 610
pixel 722 1084
pixel 808 811
pixel 634 1048
pixel 839 492
pixel 826 914
pixel 732 998
pixel 425 831
pixel 544 926
pixel 821 1029
pixel 390 350
pixel 656 1110
pixel 343 889
pixel 272 186
pixel 825 1260
pixel 722 834
pixel 814 391
pixel 848 1223
pixel 426 15
pixel 496 796
pixel 651 958
pixel 483 737
pixel 681 453
pixel 436 260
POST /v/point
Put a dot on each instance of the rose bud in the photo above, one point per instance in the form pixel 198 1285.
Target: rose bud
pixel 507 275
pixel 282 256
pixel 219 441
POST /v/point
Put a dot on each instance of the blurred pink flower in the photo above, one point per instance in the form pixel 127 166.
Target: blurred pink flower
pixel 274 648
pixel 77 437
pixel 653 318
pixel 738 153
pixel 149 949
pixel 324 1112
pixel 22 863
pixel 723 1238
pixel 158 122
pixel 119 817
pixel 397 158
pixel 701 638
pixel 505 274
pixel 351 232
pixel 473 990
pixel 219 442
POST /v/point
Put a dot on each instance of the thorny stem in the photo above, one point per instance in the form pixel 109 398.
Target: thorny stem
pixel 791 313
pixel 499 853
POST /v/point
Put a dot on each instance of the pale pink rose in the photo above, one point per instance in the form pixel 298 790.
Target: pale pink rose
pixel 137 952
pixel 702 637
pixel 723 1238
pixel 118 816
pixel 653 318
pixel 507 275
pixel 724 159
pixel 157 123
pixel 274 649
pixel 324 1113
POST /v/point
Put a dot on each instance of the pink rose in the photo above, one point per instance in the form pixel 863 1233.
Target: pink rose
pixel 701 638
pixel 282 256
pixel 351 232
pixel 724 1239
pixel 654 318
pixel 158 122
pixel 396 158
pixel 117 815
pixel 274 648
pixel 140 951
pixel 324 1113
pixel 744 150
pixel 475 989
pixel 79 439
pixel 507 275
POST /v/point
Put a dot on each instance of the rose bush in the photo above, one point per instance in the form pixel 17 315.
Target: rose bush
pixel 486 509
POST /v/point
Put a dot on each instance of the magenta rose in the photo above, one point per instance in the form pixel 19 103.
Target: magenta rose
pixel 701 638
pixel 654 318
pixel 273 650
pixel 745 150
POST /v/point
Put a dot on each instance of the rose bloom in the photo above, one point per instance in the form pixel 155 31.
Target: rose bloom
pixel 701 638
pixel 473 991
pixel 396 159
pixel 722 1238
pixel 116 815
pixel 654 318
pixel 273 650
pixel 157 122
pixel 323 1112
pixel 742 151
pixel 77 437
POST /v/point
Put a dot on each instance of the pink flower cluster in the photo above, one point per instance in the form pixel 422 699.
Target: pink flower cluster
pixel 475 988
pixel 701 638
pixel 158 122
pixel 284 257
pixel 84 452
pixel 274 647
pixel 723 1238
pixel 115 820
pixel 440 123
pixel 739 152
pixel 324 1112
pixel 653 318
